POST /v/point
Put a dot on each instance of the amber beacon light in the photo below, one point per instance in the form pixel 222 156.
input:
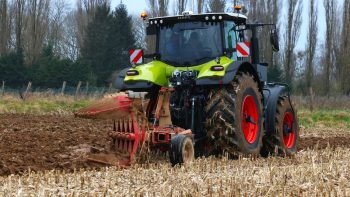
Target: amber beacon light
pixel 144 15
pixel 238 8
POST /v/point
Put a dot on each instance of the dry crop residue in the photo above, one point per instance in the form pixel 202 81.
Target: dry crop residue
pixel 46 142
pixel 311 173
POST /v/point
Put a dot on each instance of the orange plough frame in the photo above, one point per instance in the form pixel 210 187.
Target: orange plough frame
pixel 131 128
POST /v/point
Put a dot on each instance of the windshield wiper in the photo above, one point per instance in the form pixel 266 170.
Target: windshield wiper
pixel 172 63
pixel 205 58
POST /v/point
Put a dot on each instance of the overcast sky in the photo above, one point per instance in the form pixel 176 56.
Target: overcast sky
pixel 137 6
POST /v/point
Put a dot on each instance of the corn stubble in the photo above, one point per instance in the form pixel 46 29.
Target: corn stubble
pixel 310 173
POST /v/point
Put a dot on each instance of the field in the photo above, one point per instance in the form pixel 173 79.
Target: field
pixel 45 154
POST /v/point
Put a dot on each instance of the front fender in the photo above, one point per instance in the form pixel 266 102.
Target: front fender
pixel 119 82
pixel 229 75
pixel 121 85
pixel 271 93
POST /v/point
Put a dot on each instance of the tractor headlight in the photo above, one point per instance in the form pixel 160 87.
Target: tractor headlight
pixel 176 73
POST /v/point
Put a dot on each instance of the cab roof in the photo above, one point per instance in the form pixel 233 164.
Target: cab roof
pixel 206 17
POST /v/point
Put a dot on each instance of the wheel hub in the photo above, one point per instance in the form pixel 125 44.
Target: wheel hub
pixel 249 119
pixel 288 130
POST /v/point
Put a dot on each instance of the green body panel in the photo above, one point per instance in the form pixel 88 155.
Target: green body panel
pixel 159 72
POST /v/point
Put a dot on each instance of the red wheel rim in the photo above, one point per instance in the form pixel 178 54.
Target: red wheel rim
pixel 250 119
pixel 288 137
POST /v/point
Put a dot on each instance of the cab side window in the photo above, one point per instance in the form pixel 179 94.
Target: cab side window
pixel 230 39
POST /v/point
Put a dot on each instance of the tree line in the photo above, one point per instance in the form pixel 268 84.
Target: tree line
pixel 321 67
pixel 47 42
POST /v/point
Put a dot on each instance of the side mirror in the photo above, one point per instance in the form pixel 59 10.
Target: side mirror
pixel 274 40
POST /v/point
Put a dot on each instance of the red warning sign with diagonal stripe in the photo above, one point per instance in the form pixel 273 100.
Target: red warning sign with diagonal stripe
pixel 136 56
pixel 243 49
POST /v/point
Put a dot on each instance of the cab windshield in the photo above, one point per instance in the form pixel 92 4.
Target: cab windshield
pixel 190 43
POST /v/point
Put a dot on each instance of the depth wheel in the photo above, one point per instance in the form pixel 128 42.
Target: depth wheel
pixel 181 150
pixel 284 140
pixel 235 116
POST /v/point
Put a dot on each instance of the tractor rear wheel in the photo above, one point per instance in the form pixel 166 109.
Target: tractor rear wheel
pixel 234 116
pixel 181 150
pixel 284 140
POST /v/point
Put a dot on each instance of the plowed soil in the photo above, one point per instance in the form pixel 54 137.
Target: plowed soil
pixel 46 142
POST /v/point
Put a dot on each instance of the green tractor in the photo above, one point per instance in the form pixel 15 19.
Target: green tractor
pixel 203 92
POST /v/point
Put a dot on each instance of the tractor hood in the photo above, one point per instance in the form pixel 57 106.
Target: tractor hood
pixel 158 73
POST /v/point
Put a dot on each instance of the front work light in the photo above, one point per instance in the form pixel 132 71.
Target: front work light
pixel 217 68
pixel 132 72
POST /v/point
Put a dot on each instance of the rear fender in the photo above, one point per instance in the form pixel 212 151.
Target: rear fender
pixel 272 93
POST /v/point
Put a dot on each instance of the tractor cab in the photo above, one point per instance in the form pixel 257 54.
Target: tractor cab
pixel 212 46
pixel 190 40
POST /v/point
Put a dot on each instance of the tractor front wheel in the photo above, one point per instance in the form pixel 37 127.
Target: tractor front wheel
pixel 284 140
pixel 234 116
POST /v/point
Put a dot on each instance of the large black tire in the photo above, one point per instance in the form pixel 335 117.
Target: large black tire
pixel 284 140
pixel 227 121
pixel 181 150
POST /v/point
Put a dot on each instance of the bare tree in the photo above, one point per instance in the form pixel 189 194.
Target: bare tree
pixel 20 21
pixel 330 10
pixel 89 6
pixel 291 36
pixel 200 6
pixel 56 34
pixel 216 5
pixel 84 14
pixel 153 7
pixel 158 7
pixel 5 27
pixel 311 44
pixel 163 7
pixel 344 60
pixel 36 31
pixel 180 6
pixel 70 37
